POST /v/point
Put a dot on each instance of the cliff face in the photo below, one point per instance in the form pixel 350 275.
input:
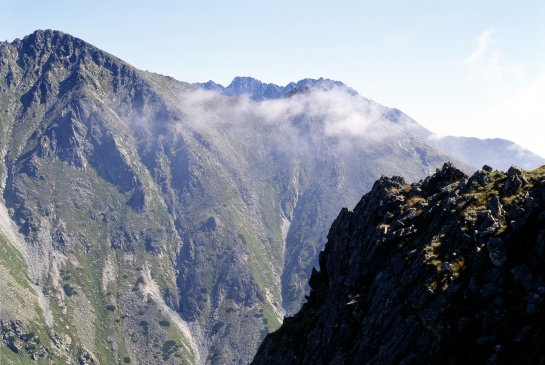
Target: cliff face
pixel 447 270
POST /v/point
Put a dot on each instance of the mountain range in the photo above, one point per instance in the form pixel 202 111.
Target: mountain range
pixel 146 219
pixel 259 91
pixel 471 151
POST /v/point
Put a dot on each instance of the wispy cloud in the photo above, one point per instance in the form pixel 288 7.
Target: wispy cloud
pixel 514 104
pixel 486 61
pixel 519 116
pixel 338 113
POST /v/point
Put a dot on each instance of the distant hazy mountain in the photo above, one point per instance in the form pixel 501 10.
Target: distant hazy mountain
pixel 496 152
pixel 259 91
pixel 145 219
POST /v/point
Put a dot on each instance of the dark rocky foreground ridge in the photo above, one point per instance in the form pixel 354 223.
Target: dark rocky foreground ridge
pixel 447 270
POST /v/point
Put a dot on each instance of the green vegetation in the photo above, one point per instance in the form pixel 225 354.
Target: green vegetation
pixel 168 345
pixel 69 289
pixel 12 260
pixel 139 281
pixel 164 323
pixel 145 328
pixel 169 348
pixel 217 327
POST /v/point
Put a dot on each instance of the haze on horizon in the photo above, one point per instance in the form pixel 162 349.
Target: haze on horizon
pixel 471 68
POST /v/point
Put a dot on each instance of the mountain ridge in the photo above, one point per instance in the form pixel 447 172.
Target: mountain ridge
pixel 259 91
pixel 446 269
pixel 495 151
pixel 470 150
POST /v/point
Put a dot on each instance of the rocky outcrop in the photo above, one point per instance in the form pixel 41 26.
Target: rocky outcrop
pixel 447 270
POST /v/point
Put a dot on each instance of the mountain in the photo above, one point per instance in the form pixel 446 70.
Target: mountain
pixel 496 152
pixel 472 151
pixel 145 219
pixel 446 270
pixel 259 91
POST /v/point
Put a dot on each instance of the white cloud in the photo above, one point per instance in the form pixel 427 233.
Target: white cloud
pixel 481 49
pixel 520 116
pixel 487 62
pixel 339 113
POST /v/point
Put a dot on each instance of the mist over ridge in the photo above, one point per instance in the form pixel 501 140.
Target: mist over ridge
pixel 473 151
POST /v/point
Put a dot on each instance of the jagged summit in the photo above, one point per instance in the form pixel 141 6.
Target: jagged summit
pixel 53 62
pixel 42 42
pixel 36 35
pixel 447 270
pixel 259 91
pixel 50 36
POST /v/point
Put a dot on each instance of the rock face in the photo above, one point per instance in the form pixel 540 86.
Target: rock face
pixel 447 270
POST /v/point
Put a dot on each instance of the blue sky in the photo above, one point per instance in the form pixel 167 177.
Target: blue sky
pixel 472 68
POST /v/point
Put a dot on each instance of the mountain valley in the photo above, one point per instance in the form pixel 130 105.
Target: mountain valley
pixel 145 219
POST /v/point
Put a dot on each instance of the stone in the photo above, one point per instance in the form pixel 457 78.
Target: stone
pixel 489 291
pixel 517 224
pixel 488 226
pixel 512 184
pixel 479 178
pixel 515 171
pixel 518 172
pixel 497 251
pixel 540 244
pixel 495 206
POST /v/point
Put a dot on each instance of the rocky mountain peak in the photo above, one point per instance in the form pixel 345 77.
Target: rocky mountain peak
pixel 325 85
pixel 45 40
pixel 42 44
pixel 47 62
pixel 259 91
pixel 245 83
pixel 451 267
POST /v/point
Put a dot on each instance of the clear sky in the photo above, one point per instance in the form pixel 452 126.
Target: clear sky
pixel 458 67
